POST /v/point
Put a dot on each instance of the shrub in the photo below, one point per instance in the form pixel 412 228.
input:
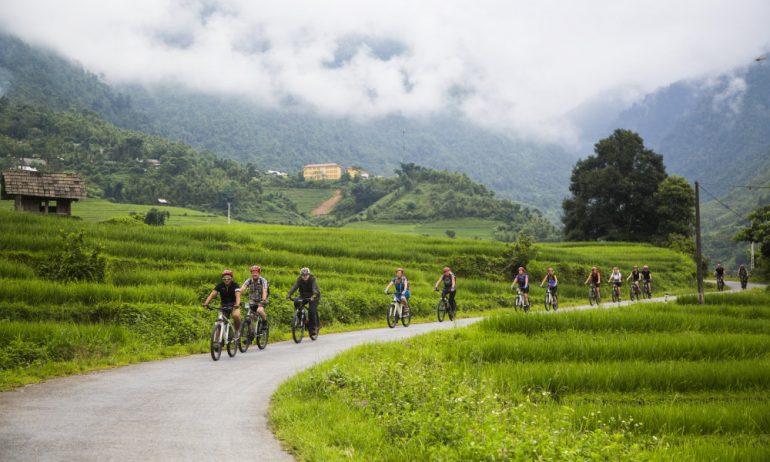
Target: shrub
pixel 155 217
pixel 76 262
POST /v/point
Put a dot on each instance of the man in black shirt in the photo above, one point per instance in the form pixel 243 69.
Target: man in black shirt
pixel 230 296
pixel 308 289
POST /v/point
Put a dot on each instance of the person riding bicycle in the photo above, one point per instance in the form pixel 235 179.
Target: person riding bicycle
pixel 616 279
pixel 230 297
pixel 743 275
pixel 450 286
pixel 595 277
pixel 719 272
pixel 635 277
pixel 257 287
pixel 308 290
pixel 647 276
pixel 522 279
pixel 553 283
pixel 401 285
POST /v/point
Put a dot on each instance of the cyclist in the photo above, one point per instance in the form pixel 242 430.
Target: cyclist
pixel 743 274
pixel 719 272
pixel 647 276
pixel 616 278
pixel 635 277
pixel 401 286
pixel 257 287
pixel 230 297
pixel 596 280
pixel 522 279
pixel 553 283
pixel 450 286
pixel 308 289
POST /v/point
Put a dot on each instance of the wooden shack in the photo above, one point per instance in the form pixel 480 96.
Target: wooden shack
pixel 42 192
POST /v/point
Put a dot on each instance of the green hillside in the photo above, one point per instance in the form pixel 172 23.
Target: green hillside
pixel 535 173
pixel 156 277
pixel 675 381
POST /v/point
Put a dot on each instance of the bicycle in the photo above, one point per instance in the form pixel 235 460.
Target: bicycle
pixel 396 312
pixel 635 291
pixel 253 334
pixel 720 284
pixel 518 302
pixel 593 296
pixel 615 293
pixel 647 290
pixel 223 333
pixel 300 323
pixel 551 301
pixel 445 308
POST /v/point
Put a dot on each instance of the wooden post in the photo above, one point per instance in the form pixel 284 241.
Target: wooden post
pixel 698 251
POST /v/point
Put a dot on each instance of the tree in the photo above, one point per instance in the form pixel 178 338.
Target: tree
pixel 613 191
pixel 675 208
pixel 758 231
pixel 156 217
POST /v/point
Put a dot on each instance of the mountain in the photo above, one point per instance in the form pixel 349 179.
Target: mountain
pixel 716 131
pixel 532 173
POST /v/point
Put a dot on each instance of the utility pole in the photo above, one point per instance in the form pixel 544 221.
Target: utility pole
pixel 698 253
pixel 751 265
pixel 228 212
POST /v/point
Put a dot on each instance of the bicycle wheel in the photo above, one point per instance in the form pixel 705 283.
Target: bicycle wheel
pixel 216 344
pixel 441 310
pixel 391 316
pixel 247 335
pixel 591 297
pixel 262 334
pixel 547 302
pixel 516 303
pixel 232 344
pixel 452 312
pixel 298 328
pixel 406 319
pixel 555 302
pixel 614 295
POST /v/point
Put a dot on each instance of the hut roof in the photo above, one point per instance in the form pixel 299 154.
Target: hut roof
pixel 38 184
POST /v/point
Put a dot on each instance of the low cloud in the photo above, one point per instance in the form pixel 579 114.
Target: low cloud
pixel 516 67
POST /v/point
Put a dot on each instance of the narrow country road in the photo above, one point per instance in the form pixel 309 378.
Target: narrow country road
pixel 179 409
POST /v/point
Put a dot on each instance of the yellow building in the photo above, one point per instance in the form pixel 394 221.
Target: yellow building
pixel 317 172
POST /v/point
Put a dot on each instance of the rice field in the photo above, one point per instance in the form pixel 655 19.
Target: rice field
pixel 161 274
pixel 655 381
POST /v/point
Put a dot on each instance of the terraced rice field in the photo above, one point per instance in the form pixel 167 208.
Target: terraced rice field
pixel 674 381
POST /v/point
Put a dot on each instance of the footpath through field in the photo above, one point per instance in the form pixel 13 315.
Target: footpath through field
pixel 179 409
pixel 326 206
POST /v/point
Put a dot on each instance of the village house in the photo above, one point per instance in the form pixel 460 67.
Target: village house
pixel 42 192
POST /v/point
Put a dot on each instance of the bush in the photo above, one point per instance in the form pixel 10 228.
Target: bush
pixel 155 217
pixel 76 262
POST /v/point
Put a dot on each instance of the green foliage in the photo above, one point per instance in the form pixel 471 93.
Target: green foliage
pixel 758 231
pixel 521 252
pixel 648 382
pixel 75 262
pixel 613 191
pixel 450 233
pixel 156 217
pixel 675 202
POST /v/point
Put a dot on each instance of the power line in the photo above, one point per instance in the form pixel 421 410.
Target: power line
pixel 741 217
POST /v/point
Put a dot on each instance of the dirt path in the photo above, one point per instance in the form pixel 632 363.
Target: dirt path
pixel 327 205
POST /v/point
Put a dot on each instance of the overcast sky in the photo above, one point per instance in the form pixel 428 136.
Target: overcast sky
pixel 517 66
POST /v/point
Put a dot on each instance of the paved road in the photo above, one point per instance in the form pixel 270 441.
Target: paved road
pixel 179 409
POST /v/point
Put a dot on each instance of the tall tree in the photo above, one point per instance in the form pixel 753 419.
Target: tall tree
pixel 675 207
pixel 613 191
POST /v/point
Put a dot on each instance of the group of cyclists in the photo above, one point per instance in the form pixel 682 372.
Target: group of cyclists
pixel 306 286
pixel 719 273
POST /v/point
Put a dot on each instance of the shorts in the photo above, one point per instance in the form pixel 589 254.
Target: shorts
pixel 617 283
pixel 524 290
pixel 553 289
pixel 253 306
pixel 406 294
